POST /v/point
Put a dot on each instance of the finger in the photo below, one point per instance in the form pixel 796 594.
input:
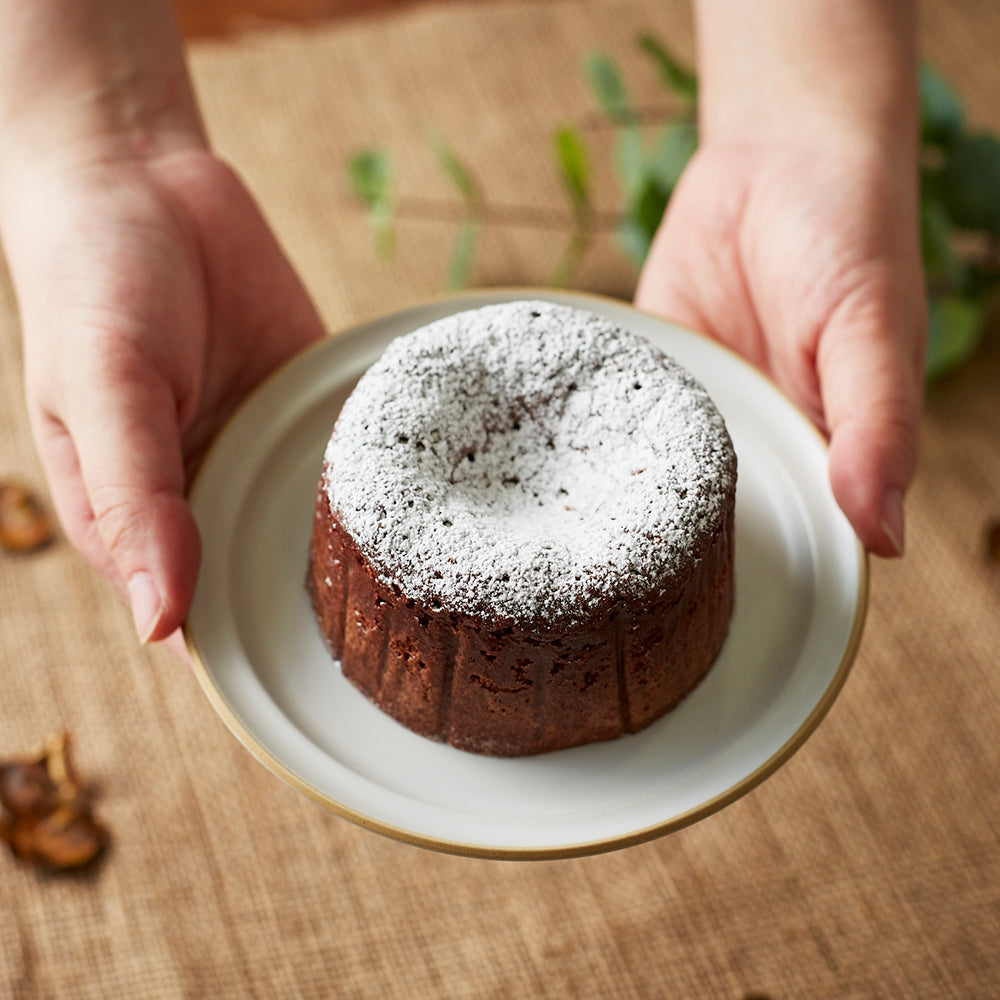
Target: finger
pixel 69 495
pixel 663 288
pixel 125 432
pixel 693 274
pixel 871 386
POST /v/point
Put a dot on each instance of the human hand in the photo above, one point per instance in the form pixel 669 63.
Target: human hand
pixel 153 298
pixel 806 262
pixel 793 234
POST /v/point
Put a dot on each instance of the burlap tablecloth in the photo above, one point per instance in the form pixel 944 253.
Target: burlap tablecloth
pixel 867 867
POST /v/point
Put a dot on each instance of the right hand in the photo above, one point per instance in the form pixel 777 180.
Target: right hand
pixel 153 298
pixel 806 261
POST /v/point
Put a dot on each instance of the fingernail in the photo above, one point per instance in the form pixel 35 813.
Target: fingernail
pixel 147 607
pixel 891 519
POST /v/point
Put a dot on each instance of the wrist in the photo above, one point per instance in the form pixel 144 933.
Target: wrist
pixel 776 71
pixel 87 80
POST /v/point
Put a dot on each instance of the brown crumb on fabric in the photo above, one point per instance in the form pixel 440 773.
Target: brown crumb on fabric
pixel 48 820
pixel 24 525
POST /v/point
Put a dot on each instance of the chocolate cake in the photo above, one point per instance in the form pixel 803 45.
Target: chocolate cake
pixel 523 534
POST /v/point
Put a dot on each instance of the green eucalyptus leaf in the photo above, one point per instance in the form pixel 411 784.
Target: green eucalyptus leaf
pixel 462 255
pixel 648 208
pixel 609 89
pixel 969 182
pixel 569 259
pixel 955 328
pixel 371 176
pixel 572 155
pixel 676 146
pixel 645 211
pixel 383 222
pixel 630 160
pixel 942 116
pixel 575 164
pixel 372 183
pixel 982 279
pixel 455 169
pixel 945 270
pixel 682 81
pixel 635 241
pixel 464 249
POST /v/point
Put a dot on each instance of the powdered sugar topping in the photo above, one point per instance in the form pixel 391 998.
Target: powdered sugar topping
pixel 528 460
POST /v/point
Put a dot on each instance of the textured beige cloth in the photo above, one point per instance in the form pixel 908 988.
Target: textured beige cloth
pixel 868 866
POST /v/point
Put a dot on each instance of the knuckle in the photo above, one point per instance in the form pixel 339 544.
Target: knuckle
pixel 119 517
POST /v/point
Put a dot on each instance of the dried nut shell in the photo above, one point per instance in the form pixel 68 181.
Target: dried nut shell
pixel 24 525
pixel 47 818
pixel 26 790
pixel 993 541
pixel 64 839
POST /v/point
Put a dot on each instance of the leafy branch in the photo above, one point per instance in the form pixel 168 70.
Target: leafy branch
pixel 574 161
pixel 468 233
pixel 372 179
pixel 647 173
pixel 959 195
pixel 959 208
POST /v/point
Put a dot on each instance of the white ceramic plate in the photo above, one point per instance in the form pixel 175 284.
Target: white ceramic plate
pixel 801 580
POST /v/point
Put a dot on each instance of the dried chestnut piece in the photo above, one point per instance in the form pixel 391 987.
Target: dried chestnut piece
pixel 48 818
pixel 24 525
pixel 26 790
pixel 993 541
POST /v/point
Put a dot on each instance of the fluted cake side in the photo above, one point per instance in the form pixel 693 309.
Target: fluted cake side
pixel 523 533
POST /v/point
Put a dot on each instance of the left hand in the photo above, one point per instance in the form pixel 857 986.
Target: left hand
pixel 154 297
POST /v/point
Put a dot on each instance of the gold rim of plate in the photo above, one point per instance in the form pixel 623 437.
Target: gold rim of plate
pixel 582 848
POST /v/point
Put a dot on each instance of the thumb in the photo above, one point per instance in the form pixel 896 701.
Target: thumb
pixel 871 384
pixel 125 430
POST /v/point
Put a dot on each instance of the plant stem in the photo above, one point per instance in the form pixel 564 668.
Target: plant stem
pixel 416 207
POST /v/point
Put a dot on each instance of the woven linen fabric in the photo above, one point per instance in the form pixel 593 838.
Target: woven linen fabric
pixel 867 867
